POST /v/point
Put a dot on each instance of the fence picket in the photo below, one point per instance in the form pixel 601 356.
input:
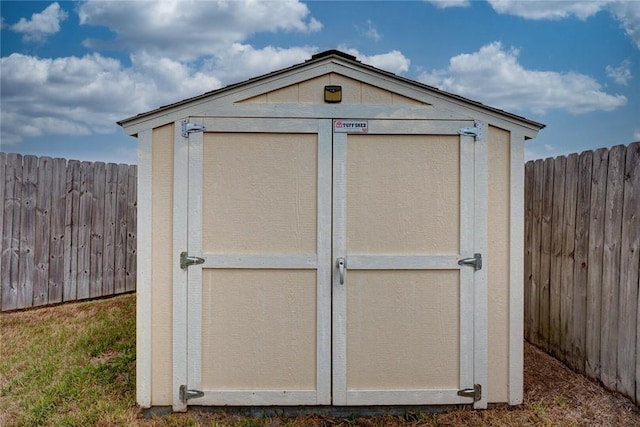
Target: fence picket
pixel 555 275
pixel 581 261
pixel 528 212
pixel 43 231
pixel 11 235
pixel 57 242
pixel 536 225
pixel 120 283
pixel 71 232
pixel 629 262
pixel 9 253
pixel 84 229
pixel 108 254
pixel 568 253
pixel 27 231
pixel 594 273
pixel 97 229
pixel 545 254
pixel 611 268
pixel 132 209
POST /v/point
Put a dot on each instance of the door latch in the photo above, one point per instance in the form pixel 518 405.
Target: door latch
pixel 186 260
pixel 341 265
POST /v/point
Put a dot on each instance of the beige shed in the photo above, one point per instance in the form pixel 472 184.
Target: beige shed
pixel 329 234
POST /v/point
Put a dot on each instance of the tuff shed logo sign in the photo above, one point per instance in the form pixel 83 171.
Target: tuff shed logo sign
pixel 351 126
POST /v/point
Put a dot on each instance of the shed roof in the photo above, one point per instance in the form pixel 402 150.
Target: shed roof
pixel 323 56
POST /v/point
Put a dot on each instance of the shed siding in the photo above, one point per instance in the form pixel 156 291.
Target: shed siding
pixel 162 249
pixel 312 92
pixel 498 264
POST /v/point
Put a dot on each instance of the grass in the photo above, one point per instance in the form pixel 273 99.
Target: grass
pixel 74 365
pixel 69 365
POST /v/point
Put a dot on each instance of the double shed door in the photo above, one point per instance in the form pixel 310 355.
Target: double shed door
pixel 330 271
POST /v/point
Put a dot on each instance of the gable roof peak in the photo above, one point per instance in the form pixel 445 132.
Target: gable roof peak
pixel 332 52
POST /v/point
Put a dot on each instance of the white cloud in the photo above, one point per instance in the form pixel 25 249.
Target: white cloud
pixel 628 14
pixel 393 61
pixel 87 95
pixel 621 74
pixel 178 49
pixel 187 30
pixel 240 61
pixel 371 31
pixel 443 4
pixel 41 24
pixel 550 9
pixel 493 76
pixel 636 135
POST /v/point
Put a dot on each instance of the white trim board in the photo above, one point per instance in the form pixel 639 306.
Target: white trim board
pixel 194 272
pixel 516 270
pixel 180 233
pixel 144 269
pixel 323 281
pixel 481 321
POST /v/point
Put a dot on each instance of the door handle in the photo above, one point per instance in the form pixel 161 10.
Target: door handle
pixel 341 265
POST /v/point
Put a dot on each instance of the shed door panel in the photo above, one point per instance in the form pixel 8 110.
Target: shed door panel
pixel 260 193
pixel 259 306
pixel 403 215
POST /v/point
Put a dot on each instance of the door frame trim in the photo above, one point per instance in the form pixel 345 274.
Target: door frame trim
pixel 179 294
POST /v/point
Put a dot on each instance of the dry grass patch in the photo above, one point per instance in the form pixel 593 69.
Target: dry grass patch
pixel 69 365
pixel 74 365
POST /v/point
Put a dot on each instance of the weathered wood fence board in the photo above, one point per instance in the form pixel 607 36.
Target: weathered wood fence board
pixel 582 263
pixel 55 230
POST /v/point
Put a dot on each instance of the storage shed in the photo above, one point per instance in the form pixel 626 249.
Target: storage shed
pixel 329 234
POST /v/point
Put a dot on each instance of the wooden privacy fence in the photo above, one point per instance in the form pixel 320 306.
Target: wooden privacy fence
pixel 67 230
pixel 582 247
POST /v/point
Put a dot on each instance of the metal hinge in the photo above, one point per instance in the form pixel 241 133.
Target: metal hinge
pixel 188 128
pixel 474 131
pixel 475 393
pixel 186 260
pixel 189 394
pixel 475 262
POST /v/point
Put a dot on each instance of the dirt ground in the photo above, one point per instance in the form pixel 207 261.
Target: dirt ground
pixel 554 396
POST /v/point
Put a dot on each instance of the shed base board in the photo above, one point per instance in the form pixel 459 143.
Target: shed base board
pixel 328 411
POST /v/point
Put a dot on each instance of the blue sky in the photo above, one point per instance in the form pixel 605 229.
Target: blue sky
pixel 70 70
